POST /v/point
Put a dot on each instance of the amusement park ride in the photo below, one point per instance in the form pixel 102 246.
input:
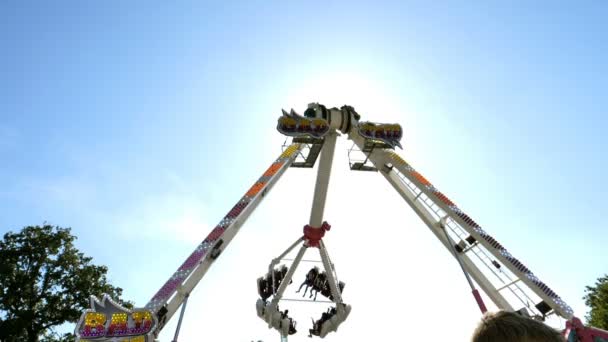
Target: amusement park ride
pixel 484 261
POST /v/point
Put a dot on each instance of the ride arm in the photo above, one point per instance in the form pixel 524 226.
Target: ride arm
pixel 170 296
pixel 501 276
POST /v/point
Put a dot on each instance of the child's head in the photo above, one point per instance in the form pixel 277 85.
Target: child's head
pixel 506 326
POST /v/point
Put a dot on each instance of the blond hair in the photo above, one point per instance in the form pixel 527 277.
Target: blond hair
pixel 504 326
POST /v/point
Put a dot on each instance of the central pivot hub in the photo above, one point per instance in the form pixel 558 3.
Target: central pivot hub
pixel 314 235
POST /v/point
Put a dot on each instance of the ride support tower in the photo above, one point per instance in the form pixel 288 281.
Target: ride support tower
pixel 491 271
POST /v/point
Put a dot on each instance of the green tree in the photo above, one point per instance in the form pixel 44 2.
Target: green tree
pixel 596 298
pixel 45 282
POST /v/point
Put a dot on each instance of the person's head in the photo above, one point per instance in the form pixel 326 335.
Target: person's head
pixel 506 326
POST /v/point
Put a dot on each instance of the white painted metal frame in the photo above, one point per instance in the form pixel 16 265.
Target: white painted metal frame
pixel 231 230
pixel 441 219
pixel 318 207
pixel 316 220
pixel 323 173
pixel 431 210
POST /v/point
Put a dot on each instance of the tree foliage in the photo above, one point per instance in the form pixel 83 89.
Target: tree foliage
pixel 45 282
pixel 596 298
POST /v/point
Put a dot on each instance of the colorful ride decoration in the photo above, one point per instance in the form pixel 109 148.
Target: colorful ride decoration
pixel 390 134
pixel 107 320
pixel 496 247
pixel 294 125
pixel 193 261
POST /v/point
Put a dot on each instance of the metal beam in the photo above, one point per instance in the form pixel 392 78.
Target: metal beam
pixel 318 202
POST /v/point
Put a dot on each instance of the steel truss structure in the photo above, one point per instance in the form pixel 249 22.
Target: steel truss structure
pixel 487 264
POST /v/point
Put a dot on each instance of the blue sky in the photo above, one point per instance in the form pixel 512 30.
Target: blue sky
pixel 140 124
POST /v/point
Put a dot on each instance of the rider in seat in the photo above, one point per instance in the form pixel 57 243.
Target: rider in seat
pixel 309 281
pixel 263 288
pixel 316 326
pixel 318 284
pixel 292 327
pixel 316 329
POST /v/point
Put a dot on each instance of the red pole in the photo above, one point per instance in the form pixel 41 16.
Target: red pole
pixel 479 301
